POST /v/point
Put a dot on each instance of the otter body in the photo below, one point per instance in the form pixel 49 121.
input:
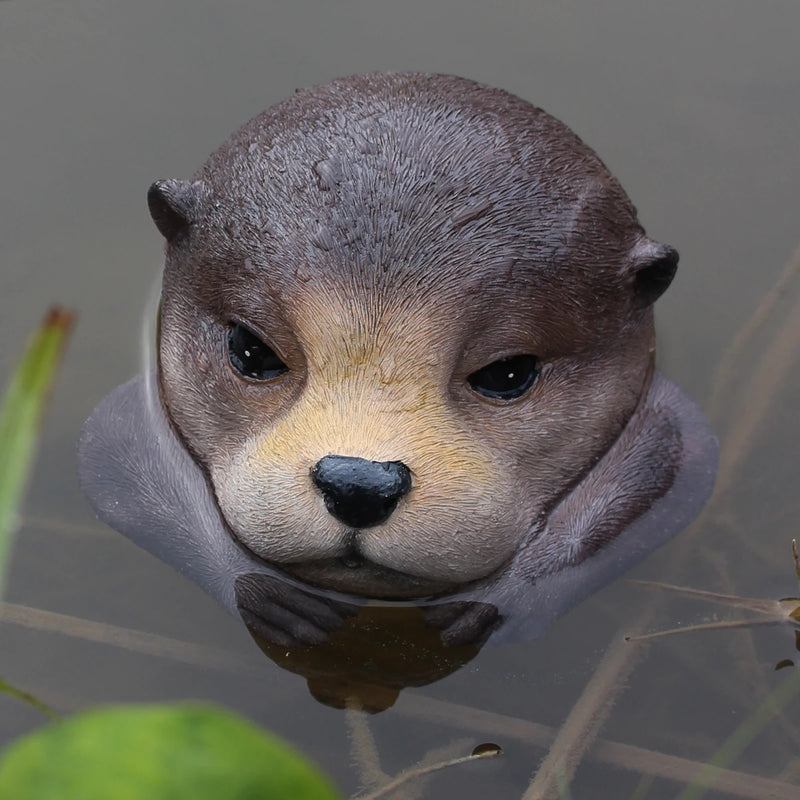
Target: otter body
pixel 406 349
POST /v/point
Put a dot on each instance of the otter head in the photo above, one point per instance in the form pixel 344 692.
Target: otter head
pixel 402 316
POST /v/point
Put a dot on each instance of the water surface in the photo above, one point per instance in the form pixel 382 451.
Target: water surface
pixel 697 111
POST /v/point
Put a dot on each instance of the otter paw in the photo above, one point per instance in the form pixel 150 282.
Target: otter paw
pixel 285 615
pixel 463 623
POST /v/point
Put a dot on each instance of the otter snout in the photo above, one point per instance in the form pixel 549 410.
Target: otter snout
pixel 358 492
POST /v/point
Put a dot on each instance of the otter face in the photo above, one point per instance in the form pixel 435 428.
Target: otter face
pixel 402 316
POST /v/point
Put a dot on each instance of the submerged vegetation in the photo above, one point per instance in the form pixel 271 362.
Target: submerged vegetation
pixel 770 612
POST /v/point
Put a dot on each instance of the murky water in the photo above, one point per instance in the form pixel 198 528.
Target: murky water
pixel 697 111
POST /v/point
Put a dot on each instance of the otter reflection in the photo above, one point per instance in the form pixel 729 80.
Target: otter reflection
pixel 360 655
pixel 406 352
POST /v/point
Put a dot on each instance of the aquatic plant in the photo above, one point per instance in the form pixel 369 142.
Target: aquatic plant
pixel 20 420
pixel 21 416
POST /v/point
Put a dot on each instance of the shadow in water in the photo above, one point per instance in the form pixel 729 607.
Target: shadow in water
pixel 357 656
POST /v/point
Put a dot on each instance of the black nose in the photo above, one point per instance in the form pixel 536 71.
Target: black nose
pixel 358 492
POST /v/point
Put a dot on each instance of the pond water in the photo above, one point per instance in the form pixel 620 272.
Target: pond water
pixel 696 110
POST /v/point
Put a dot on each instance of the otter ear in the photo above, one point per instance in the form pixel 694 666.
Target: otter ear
pixel 173 206
pixel 651 267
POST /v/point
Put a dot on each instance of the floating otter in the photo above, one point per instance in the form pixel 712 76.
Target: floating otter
pixel 406 351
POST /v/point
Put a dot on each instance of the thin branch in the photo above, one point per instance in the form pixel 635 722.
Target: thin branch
pixel 363 747
pixel 488 724
pixel 584 722
pixel 734 601
pixel 28 698
pixel 67 528
pixel 706 626
pixel 771 369
pixel 418 772
pixel 133 640
pixel 728 366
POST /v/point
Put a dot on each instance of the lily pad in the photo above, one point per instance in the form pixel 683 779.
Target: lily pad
pixel 167 752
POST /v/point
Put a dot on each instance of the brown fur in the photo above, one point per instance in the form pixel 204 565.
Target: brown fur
pixel 387 236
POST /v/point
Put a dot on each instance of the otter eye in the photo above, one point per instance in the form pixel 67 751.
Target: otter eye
pixel 252 357
pixel 506 378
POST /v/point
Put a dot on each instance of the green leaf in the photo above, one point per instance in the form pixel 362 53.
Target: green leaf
pixel 20 417
pixel 179 752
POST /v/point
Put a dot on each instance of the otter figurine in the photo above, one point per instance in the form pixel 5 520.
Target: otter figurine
pixel 405 352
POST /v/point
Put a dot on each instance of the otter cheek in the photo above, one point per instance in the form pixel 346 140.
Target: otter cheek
pixel 452 542
pixel 270 510
pixel 462 520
